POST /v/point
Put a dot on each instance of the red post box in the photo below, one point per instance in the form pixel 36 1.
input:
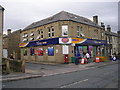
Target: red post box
pixel 66 58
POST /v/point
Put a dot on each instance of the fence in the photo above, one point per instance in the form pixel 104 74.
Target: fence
pixel 9 66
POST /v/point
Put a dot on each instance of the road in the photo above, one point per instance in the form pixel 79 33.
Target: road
pixel 101 77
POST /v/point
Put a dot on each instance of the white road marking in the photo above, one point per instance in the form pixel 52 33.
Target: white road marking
pixel 74 83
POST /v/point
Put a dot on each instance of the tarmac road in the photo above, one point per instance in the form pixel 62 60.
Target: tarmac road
pixel 101 77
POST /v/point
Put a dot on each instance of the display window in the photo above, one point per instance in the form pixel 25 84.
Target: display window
pixel 32 51
pixel 50 51
pixel 25 52
pixel 40 51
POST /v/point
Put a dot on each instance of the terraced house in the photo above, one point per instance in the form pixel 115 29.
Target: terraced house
pixel 62 36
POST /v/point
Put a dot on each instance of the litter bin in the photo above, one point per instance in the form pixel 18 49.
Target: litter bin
pixel 73 59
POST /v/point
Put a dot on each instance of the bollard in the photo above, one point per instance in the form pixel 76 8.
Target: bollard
pixel 7 66
pixel 23 66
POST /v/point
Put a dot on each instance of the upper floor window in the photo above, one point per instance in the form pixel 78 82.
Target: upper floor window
pixel 32 34
pixel 40 34
pixel 25 40
pixel 39 31
pixel 79 31
pixel 52 32
pixel 25 35
pixel 102 35
pixel 64 30
pixel 95 33
pixel 49 32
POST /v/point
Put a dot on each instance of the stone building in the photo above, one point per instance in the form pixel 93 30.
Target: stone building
pixel 112 41
pixel 62 35
pixel 11 43
pixel 1 29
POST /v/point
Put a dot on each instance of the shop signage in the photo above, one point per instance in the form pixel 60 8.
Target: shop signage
pixel 78 40
pixel 65 40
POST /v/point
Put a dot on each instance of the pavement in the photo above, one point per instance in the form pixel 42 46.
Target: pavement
pixel 63 68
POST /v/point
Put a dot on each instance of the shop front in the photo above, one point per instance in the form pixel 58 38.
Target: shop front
pixel 57 49
pixel 92 46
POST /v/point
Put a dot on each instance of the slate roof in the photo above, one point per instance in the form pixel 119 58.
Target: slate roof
pixel 112 33
pixel 62 16
pixel 1 8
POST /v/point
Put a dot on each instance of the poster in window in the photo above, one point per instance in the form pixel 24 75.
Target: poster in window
pixel 32 51
pixel 50 51
pixel 25 52
pixel 40 51
pixel 65 30
pixel 65 49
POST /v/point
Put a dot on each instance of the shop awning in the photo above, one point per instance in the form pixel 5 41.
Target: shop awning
pixel 91 42
pixel 40 42
pixel 64 40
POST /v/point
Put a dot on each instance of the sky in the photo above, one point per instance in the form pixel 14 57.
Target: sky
pixel 19 14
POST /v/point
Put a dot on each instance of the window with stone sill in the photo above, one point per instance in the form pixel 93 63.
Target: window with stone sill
pixel 96 34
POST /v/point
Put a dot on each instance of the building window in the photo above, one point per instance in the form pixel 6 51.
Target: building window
pixel 25 40
pixel 79 31
pixel 64 30
pixel 32 38
pixel 41 31
pixel 96 34
pixel 32 34
pixel 38 31
pixel 102 35
pixel 49 32
pixel 52 32
pixel 25 35
pixel 41 36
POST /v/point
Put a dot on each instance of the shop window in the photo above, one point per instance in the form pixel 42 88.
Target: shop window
pixel 64 30
pixel 25 52
pixel 40 51
pixel 50 51
pixel 32 51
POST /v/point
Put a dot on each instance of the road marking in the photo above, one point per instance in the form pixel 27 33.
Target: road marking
pixel 74 83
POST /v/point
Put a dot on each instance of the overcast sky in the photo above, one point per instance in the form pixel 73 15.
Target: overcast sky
pixel 21 13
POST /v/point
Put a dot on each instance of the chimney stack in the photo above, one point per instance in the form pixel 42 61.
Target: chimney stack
pixel 102 25
pixel 95 19
pixel 108 28
pixel 9 31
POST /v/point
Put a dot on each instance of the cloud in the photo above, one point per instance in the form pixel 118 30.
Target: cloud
pixel 19 13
